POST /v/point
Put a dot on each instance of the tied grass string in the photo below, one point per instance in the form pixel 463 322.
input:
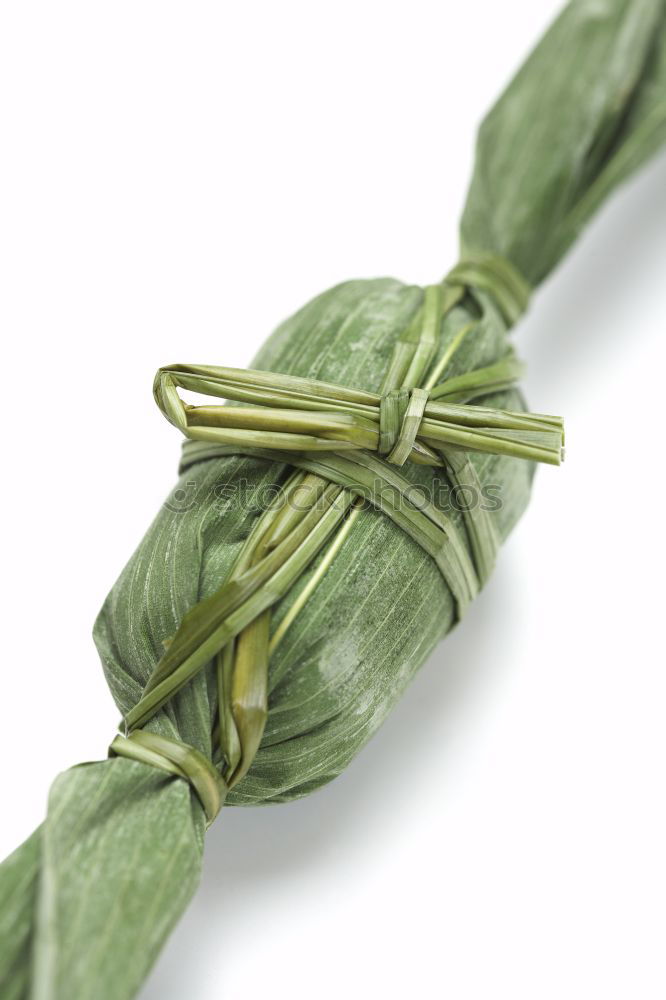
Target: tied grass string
pixel 325 431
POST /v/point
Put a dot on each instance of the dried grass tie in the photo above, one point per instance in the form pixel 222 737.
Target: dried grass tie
pixel 345 446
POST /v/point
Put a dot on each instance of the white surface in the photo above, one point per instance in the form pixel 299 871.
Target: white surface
pixel 176 179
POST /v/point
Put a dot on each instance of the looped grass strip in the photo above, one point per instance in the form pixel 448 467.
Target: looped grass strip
pixel 497 276
pixel 176 757
pixel 299 414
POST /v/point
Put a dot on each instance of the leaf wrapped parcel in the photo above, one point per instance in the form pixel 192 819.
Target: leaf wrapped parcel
pixel 288 590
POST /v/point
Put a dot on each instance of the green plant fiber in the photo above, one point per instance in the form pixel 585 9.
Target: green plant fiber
pixel 88 900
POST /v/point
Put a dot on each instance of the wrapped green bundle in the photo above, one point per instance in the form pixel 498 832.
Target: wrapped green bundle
pixel 330 526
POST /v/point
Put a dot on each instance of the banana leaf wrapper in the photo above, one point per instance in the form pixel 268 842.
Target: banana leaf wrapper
pixel 88 900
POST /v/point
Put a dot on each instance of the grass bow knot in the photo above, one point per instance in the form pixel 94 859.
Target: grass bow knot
pixel 288 413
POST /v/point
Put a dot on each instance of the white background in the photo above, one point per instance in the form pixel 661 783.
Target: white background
pixel 176 178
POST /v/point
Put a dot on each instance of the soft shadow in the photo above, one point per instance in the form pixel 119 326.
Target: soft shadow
pixel 619 257
pixel 250 852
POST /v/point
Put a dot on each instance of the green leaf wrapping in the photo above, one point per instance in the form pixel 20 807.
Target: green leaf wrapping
pixel 586 109
pixel 348 655
pixel 87 901
pixel 18 900
pixel 119 857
